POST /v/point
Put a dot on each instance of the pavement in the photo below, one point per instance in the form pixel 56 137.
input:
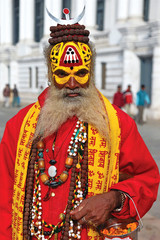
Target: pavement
pixel 150 132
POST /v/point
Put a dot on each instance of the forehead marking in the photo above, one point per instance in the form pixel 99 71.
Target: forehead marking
pixel 70 57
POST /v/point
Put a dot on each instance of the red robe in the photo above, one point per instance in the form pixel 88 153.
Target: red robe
pixel 135 159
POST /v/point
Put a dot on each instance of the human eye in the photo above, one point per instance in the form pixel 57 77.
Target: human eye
pixel 61 73
pixel 82 73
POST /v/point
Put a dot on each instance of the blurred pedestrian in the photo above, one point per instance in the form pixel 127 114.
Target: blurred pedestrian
pixel 128 100
pixel 118 99
pixel 6 95
pixel 142 100
pixel 15 102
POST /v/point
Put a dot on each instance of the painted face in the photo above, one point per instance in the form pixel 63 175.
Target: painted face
pixel 70 60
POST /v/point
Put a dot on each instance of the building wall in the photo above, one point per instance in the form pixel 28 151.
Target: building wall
pixel 125 38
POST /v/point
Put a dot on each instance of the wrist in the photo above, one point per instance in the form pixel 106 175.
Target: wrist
pixel 121 197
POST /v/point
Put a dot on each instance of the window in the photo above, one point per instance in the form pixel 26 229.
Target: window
pixel 103 76
pixel 39 19
pixel 36 77
pixel 100 14
pixel 146 10
pixel 30 77
pixel 66 4
pixel 15 21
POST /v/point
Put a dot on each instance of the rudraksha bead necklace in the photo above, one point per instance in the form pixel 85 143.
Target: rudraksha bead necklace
pixel 29 192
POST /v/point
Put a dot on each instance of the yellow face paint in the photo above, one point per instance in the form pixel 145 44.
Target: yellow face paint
pixel 62 74
pixel 71 59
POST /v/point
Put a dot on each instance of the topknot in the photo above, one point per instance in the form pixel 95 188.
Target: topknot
pixel 69 32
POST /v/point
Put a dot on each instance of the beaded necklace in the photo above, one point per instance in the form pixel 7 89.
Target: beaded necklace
pixel 76 159
pixel 79 135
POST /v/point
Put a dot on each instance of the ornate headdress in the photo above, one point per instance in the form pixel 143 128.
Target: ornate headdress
pixel 70 47
pixel 68 29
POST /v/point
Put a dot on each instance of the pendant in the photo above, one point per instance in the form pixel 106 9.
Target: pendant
pixel 48 195
pixel 52 171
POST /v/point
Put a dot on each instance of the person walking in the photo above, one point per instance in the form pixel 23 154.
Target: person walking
pixel 6 95
pixel 128 100
pixel 15 101
pixel 142 99
pixel 118 99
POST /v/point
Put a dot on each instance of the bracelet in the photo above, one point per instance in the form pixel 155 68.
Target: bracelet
pixel 123 198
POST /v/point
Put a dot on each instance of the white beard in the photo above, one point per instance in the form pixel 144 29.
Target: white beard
pixel 58 108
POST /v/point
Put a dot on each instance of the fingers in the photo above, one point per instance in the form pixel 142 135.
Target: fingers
pixel 91 212
pixel 87 222
pixel 90 223
pixel 82 215
pixel 83 220
pixel 79 212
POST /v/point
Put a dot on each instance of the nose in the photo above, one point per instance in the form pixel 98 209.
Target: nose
pixel 72 83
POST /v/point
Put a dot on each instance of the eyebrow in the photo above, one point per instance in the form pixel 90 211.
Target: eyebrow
pixel 60 71
pixel 83 69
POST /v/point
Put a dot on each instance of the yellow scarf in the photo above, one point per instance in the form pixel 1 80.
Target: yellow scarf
pixel 103 158
pixel 103 163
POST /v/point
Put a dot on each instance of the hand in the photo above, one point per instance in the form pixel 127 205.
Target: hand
pixel 96 210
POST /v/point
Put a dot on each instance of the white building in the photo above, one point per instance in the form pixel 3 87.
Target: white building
pixel 126 34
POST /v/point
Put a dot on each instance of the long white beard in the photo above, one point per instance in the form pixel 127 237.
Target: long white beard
pixel 58 108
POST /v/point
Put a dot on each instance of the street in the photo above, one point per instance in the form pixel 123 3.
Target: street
pixel 150 132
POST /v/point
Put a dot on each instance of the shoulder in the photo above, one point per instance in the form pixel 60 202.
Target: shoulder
pixel 12 129
pixel 16 121
pixel 123 117
pixel 126 122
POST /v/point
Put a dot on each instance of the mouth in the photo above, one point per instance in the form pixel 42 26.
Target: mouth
pixel 72 94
